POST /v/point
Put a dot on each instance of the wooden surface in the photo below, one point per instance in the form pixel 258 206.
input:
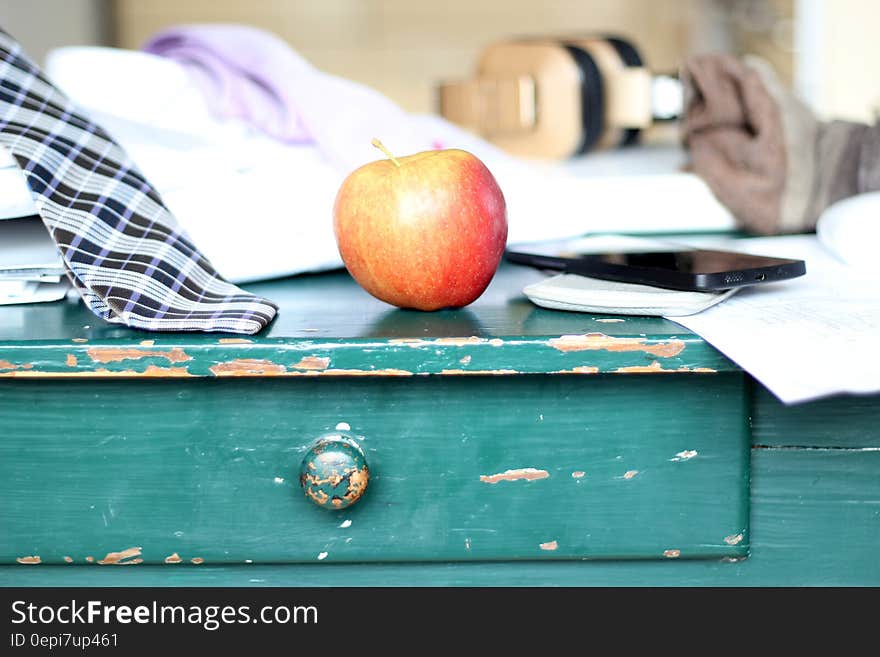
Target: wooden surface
pixel 502 333
pixel 462 468
pixel 814 501
pixel 815 522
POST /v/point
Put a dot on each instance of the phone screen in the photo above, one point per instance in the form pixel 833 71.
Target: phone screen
pixel 694 261
pixel 662 264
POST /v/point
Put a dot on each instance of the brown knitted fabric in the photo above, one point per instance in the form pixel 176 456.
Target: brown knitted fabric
pixel 763 153
pixel 733 129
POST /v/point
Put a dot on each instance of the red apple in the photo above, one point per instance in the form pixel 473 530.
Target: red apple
pixel 425 231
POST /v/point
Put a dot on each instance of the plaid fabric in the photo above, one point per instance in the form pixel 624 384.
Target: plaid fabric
pixel 123 249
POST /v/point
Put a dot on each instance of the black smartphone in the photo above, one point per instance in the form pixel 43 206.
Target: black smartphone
pixel 672 266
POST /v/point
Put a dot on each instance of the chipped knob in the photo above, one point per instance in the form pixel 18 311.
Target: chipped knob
pixel 334 473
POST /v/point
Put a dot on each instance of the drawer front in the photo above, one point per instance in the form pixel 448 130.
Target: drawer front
pixel 462 468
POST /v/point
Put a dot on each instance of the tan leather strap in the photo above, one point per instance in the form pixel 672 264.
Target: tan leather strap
pixel 526 96
pixel 557 129
pixel 490 105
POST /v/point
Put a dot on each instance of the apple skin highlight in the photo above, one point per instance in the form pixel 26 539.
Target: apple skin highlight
pixel 427 232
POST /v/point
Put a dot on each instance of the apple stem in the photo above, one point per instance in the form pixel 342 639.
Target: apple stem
pixel 378 144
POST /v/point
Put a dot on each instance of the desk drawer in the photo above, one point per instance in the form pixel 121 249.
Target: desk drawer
pixel 462 468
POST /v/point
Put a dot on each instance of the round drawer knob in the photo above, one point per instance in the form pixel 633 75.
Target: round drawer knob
pixel 334 472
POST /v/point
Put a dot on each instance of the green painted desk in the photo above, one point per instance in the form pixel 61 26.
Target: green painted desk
pixel 507 445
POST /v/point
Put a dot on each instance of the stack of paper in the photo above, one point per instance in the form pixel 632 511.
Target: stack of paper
pixel 806 338
pixel 30 267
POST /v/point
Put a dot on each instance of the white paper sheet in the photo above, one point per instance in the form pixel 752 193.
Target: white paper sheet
pixel 31 270
pixel 14 292
pixel 805 338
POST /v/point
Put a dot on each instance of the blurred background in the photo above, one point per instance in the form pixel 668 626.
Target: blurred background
pixel 826 50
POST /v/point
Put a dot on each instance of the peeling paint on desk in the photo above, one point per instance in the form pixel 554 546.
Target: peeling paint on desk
pixel 735 539
pixel 30 560
pixel 459 342
pixel 656 367
pixel 581 369
pixel 111 354
pixel 357 483
pixel 243 367
pixel 247 367
pixel 591 353
pixel 457 372
pixel 643 369
pixel 319 496
pixel 6 365
pixel 312 363
pixel 342 372
pixel 448 342
pixel 672 554
pixel 555 448
pixel 155 371
pixel 151 371
pixel 685 455
pixel 234 341
pixel 528 474
pixel 265 367
pixel 549 545
pixel 197 560
pixel 173 558
pixel 550 422
pixel 125 557
pixel 358 479
pixel 600 341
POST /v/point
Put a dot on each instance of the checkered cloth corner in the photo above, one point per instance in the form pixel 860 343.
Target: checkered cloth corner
pixel 122 247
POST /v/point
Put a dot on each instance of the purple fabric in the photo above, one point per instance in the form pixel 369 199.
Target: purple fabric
pixel 242 72
pixel 252 75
